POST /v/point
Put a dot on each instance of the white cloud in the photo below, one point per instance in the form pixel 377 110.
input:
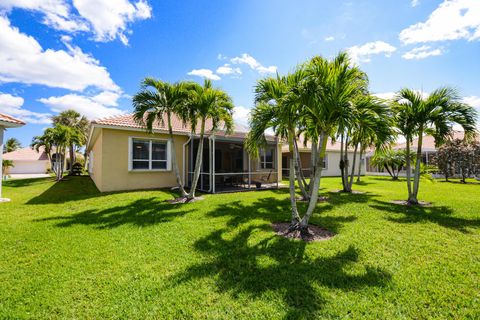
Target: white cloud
pixel 204 73
pixel 452 20
pixel 241 115
pixel 422 53
pixel 329 38
pixel 247 59
pixel 93 107
pixel 226 69
pixel 110 19
pixel 365 52
pixel 385 95
pixel 107 20
pixel 415 3
pixel 474 101
pixel 12 105
pixel 22 59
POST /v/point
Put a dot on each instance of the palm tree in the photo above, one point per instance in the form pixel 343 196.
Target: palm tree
pixel 77 122
pixel 275 109
pixel 435 114
pixel 206 103
pixel 372 125
pixel 155 101
pixel 62 137
pixel 5 165
pixel 46 142
pixel 11 144
pixel 391 160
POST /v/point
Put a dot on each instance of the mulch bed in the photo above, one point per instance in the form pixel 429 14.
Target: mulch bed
pixel 353 192
pixel 320 199
pixel 184 200
pixel 314 233
pixel 405 203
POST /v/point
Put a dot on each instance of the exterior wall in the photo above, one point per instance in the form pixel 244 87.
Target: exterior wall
pixel 95 168
pixel 34 166
pixel 114 161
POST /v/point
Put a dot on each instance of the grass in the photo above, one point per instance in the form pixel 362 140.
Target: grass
pixel 67 251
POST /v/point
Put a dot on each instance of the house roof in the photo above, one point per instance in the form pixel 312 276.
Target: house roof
pixel 331 146
pixel 428 142
pixel 126 121
pixel 26 154
pixel 9 121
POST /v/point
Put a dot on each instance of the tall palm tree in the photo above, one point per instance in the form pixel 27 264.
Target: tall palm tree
pixel 275 109
pixel 372 125
pixel 62 137
pixel 206 103
pixel 11 144
pixel 155 101
pixel 435 114
pixel 78 123
pixel 332 87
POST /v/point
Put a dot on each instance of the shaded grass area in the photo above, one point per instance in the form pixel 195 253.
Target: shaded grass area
pixel 68 251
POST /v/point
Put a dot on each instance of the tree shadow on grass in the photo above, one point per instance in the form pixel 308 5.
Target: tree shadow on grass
pixel 241 265
pixel 142 213
pixel 18 183
pixel 441 215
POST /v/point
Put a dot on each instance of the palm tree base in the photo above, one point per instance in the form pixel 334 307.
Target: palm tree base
pixel 305 233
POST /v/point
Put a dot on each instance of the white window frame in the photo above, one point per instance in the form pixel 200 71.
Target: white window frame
pixel 150 140
pixel 263 161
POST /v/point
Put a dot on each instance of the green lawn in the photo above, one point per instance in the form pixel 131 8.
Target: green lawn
pixel 67 251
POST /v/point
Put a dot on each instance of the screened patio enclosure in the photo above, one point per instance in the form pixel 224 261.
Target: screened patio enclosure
pixel 227 167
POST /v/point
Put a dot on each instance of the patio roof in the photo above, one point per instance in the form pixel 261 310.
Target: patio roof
pixel 9 121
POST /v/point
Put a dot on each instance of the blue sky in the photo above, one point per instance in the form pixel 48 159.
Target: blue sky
pixel 91 57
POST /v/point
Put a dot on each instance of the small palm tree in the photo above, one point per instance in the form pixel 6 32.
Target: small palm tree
pixel 79 124
pixel 206 103
pixel 6 164
pixel 11 144
pixel 417 115
pixel 157 100
pixel 46 142
pixel 62 137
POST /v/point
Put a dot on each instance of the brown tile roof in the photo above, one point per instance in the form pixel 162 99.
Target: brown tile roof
pixel 428 142
pixel 6 118
pixel 127 121
pixel 26 154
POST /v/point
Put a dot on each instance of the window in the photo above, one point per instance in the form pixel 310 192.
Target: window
pixel 266 158
pixel 325 162
pixel 149 154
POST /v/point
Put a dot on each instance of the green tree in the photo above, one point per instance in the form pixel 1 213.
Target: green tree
pixel 417 115
pixel 79 124
pixel 62 137
pixel 391 160
pixel 11 144
pixel 6 164
pixel 156 101
pixel 46 142
pixel 206 103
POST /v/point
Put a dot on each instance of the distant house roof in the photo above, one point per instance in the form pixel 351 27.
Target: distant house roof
pixel 9 121
pixel 428 142
pixel 331 146
pixel 127 121
pixel 26 154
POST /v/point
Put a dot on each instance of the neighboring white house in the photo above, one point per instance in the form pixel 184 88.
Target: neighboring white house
pixel 331 161
pixel 27 161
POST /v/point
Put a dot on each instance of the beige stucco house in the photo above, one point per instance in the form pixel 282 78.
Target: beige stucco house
pixel 123 156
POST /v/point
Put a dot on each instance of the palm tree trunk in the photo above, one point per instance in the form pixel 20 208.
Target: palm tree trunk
pixel 408 168
pixel 362 150
pixel 183 193
pixel 316 184
pixel 352 174
pixel 342 161
pixel 313 161
pixel 345 166
pixel 299 164
pixel 416 178
pixel 198 163
pixel 295 218
pixel 72 157
pixel 298 168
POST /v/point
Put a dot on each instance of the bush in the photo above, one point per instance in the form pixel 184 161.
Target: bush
pixel 77 169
